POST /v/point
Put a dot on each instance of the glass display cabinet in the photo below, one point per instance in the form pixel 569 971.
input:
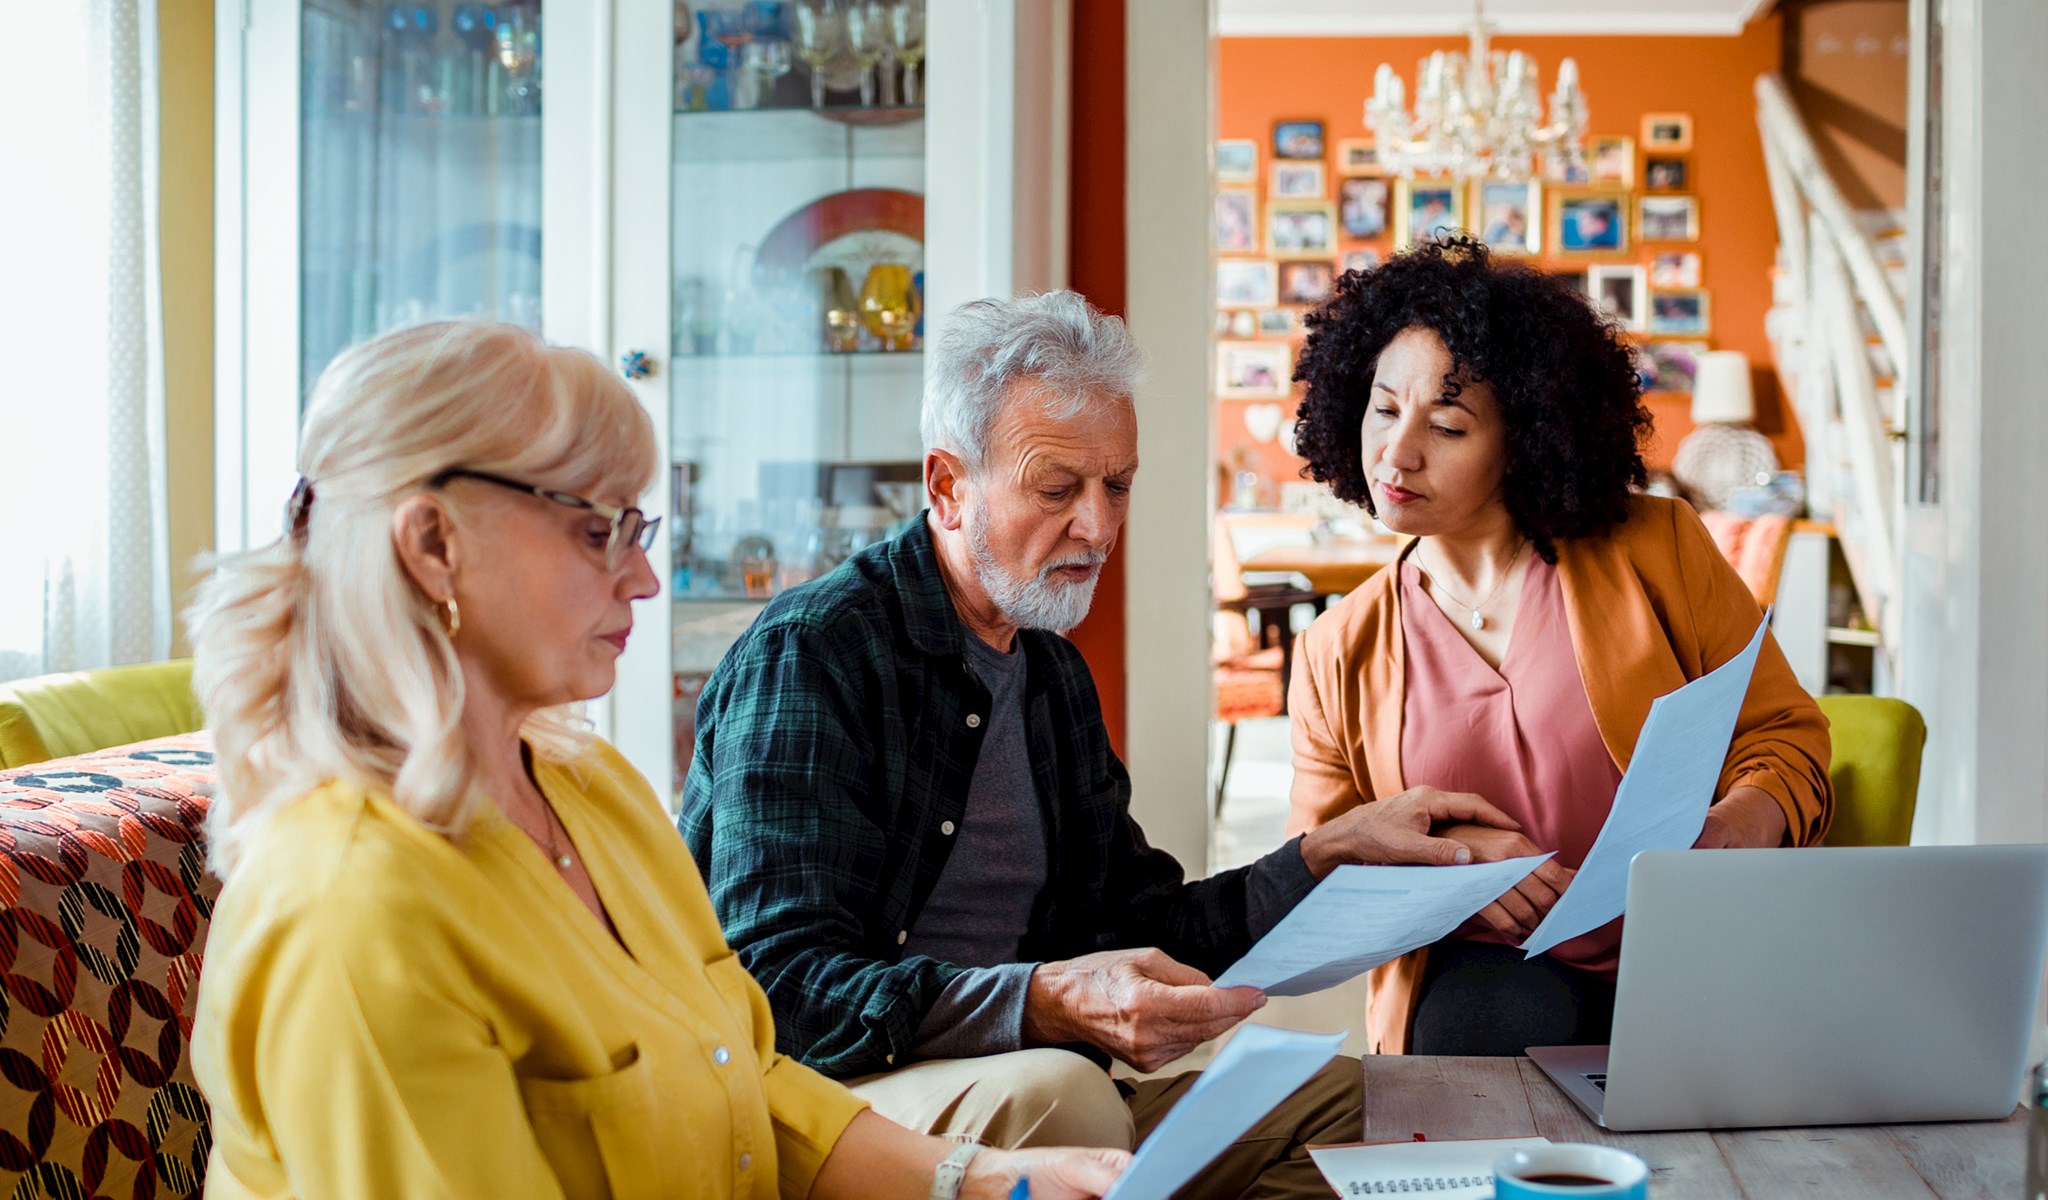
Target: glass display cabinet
pixel 731 201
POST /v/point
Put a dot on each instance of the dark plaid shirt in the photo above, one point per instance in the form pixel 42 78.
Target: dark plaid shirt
pixel 835 740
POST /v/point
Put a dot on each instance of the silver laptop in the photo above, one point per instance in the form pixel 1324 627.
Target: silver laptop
pixel 1819 987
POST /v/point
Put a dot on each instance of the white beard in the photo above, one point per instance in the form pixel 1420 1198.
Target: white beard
pixel 1040 603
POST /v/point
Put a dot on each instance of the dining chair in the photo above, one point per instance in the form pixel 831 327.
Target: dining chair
pixel 1876 768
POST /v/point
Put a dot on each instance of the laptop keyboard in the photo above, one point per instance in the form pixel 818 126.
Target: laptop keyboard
pixel 1598 1079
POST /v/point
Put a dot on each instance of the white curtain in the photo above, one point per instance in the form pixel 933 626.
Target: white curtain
pixel 84 563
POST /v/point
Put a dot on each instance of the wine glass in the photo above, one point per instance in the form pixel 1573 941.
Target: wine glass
pixel 767 55
pixel 728 27
pixel 820 27
pixel 906 38
pixel 867 37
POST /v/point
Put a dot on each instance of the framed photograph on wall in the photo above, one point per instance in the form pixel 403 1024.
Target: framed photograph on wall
pixel 1298 139
pixel 1589 222
pixel 1358 156
pixel 1307 283
pixel 1667 132
pixel 1577 280
pixel 1247 283
pixel 1669 366
pixel 1359 260
pixel 1675 269
pixel 1426 210
pixel 1279 322
pixel 1301 228
pixel 1362 207
pixel 1297 181
pixel 1253 370
pixel 1510 215
pixel 1666 173
pixel 1680 312
pixel 1668 218
pixel 1613 160
pixel 1237 221
pixel 1237 161
pixel 1620 291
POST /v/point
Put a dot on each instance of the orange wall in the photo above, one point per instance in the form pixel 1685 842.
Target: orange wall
pixel 1712 78
pixel 1095 268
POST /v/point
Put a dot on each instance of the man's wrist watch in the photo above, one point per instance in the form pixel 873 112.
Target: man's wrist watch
pixel 952 1170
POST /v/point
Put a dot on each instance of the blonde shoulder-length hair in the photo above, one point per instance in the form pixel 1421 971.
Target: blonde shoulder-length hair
pixel 317 657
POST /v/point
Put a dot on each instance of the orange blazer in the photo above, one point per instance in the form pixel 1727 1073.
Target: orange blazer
pixel 1651 605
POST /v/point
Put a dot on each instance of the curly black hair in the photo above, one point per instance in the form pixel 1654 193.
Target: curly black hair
pixel 1564 379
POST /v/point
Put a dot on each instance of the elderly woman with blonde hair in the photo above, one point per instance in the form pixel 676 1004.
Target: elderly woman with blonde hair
pixel 461 950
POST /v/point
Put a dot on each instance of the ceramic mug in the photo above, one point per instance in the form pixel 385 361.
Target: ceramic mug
pixel 1569 1169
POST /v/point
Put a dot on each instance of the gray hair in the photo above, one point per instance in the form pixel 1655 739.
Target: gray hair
pixel 1057 340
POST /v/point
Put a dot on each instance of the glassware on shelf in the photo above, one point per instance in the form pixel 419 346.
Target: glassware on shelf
pixel 476 31
pixel 518 33
pixel 867 37
pixel 906 40
pixel 767 56
pixel 890 306
pixel 728 27
pixel 820 29
pixel 407 79
pixel 841 310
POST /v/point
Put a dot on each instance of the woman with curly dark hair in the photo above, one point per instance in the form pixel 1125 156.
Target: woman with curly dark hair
pixel 1513 650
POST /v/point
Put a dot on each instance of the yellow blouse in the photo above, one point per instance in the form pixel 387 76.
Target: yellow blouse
pixel 384 1012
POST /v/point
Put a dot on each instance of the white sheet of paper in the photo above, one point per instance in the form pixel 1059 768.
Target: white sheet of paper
pixel 1257 1068
pixel 1450 1170
pixel 1359 917
pixel 1663 799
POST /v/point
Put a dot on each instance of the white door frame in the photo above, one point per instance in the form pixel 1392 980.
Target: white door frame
pixel 1170 101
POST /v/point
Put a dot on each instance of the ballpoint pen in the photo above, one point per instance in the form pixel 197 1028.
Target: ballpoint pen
pixel 1023 1189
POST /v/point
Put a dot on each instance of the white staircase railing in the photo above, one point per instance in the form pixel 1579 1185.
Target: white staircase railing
pixel 1831 282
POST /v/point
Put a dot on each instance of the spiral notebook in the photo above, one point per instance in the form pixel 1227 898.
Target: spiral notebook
pixel 1444 1170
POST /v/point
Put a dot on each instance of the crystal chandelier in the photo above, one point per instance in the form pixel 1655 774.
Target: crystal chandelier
pixel 1478 115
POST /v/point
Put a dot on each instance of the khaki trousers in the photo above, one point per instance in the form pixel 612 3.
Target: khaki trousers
pixel 1047 1097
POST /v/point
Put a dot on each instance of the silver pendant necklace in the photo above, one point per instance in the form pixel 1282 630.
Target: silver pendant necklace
pixel 1478 618
pixel 546 841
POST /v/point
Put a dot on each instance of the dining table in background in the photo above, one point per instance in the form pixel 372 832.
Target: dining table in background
pixel 1333 566
pixel 1444 1099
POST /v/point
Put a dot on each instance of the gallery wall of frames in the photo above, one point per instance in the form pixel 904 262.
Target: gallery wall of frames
pixel 1670 230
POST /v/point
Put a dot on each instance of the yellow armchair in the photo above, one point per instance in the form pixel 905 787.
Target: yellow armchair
pixel 1876 768
pixel 52 716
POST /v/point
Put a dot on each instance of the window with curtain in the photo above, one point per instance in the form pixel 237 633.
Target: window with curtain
pixel 84 565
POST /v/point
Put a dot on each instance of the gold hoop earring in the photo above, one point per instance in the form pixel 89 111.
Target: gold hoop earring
pixel 452 617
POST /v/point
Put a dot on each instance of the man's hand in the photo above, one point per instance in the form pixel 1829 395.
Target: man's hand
pixel 1746 816
pixel 1138 1006
pixel 1521 909
pixel 1396 830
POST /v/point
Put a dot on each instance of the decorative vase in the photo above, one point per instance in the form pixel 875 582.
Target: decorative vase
pixel 889 305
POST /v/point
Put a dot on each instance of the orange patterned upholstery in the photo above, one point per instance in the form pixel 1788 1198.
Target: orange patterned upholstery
pixel 106 901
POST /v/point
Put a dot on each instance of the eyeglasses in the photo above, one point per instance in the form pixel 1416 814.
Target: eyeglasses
pixel 630 526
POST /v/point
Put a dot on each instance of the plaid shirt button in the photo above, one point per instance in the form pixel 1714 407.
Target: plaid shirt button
pixel 974 720
pixel 946 827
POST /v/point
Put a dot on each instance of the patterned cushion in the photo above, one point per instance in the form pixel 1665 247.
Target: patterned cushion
pixel 103 877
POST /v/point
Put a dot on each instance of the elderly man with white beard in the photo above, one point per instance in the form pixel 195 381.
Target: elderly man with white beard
pixel 914 828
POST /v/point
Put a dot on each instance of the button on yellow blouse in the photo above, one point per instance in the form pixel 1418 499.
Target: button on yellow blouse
pixel 383 1012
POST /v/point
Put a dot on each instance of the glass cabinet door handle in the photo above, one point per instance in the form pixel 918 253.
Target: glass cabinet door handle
pixel 635 364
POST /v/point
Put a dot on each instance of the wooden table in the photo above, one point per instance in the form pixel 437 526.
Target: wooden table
pixel 1333 567
pixel 1445 1098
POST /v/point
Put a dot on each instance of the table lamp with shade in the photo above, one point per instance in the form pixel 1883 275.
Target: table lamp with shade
pixel 1722 453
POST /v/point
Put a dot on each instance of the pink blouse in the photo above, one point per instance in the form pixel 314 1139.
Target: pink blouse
pixel 1521 737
